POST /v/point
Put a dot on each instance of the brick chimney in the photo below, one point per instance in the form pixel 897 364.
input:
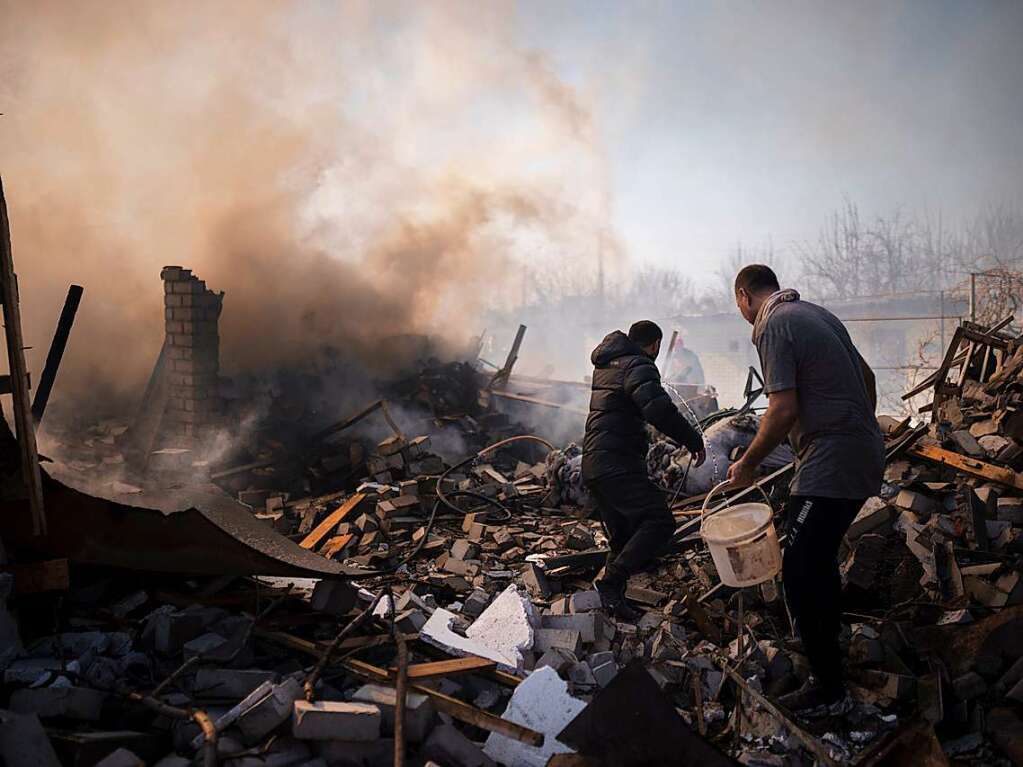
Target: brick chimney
pixel 192 355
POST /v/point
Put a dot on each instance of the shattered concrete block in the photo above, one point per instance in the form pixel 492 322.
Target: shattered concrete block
pixel 464 549
pixel 419 710
pixel 204 645
pixel 541 703
pixel 122 757
pixel 584 601
pixel 1011 510
pixel 969 686
pixel 28 670
pixel 581 675
pixel 229 683
pixel 968 444
pixel 557 659
pixel 586 624
pixel 266 713
pixel 437 632
pixel 984 593
pixel 862 566
pixel 995 444
pixel 335 720
pixel 449 747
pixel 1012 584
pixel 282 751
pixel 476 603
pixel 646 596
pixel 564 639
pixel 65 702
pixel 410 621
pixel 605 672
pixel 663 647
pixel 507 626
pixel 535 581
pixel 173 629
pixel 874 517
pixel 333 597
pixel 23 742
pixel 916 502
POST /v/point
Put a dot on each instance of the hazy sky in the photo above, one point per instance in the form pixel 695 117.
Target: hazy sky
pixel 731 121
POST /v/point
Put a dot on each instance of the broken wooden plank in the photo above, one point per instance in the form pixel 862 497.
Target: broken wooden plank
pixel 335 544
pixel 317 648
pixel 380 405
pixel 967 465
pixel 452 706
pixel 450 667
pixel 333 520
pixel 818 749
pixel 23 424
pixel 500 379
pixel 56 353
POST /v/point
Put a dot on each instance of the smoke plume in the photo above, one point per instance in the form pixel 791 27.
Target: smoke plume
pixel 343 174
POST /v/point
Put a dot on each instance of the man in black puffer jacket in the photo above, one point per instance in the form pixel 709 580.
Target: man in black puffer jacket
pixel 627 394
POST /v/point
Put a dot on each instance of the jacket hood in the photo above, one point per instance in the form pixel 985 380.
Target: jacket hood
pixel 614 345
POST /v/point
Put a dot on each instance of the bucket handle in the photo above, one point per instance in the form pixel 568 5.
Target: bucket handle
pixel 714 490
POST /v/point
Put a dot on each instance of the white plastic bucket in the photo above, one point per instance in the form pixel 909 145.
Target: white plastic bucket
pixel 742 541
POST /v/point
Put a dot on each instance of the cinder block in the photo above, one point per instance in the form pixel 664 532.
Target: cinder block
pixel 583 623
pixel 64 702
pixel 229 683
pixel 419 710
pixel 23 742
pixel 335 720
pixel 564 639
pixel 448 746
pixel 584 601
pixel 269 712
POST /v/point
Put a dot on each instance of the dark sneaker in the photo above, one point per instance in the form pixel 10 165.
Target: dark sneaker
pixel 612 597
pixel 813 702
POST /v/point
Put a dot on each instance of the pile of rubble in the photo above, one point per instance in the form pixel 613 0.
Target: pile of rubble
pixel 474 636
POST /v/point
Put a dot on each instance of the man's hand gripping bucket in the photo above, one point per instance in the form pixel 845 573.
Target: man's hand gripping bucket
pixel 742 540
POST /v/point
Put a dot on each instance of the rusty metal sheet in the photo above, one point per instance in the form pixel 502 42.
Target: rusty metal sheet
pixel 200 531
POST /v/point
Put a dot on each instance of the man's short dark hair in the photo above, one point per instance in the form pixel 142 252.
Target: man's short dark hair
pixel 645 333
pixel 756 278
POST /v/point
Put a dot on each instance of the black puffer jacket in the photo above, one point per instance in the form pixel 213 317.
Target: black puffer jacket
pixel 626 393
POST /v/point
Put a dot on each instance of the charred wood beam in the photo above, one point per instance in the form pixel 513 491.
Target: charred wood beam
pixel 31 475
pixel 56 353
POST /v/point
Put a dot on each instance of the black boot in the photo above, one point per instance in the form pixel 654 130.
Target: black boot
pixel 611 587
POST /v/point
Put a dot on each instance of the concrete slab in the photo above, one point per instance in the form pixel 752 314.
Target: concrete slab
pixel 541 703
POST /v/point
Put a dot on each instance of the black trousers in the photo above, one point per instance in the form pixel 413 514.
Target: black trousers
pixel 813 586
pixel 636 519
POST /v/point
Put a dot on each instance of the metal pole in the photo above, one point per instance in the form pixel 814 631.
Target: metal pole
pixel 973 296
pixel 941 298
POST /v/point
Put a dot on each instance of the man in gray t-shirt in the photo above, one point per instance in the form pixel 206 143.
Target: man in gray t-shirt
pixel 821 395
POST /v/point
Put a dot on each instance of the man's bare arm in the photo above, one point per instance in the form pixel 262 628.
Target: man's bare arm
pixel 871 381
pixel 782 411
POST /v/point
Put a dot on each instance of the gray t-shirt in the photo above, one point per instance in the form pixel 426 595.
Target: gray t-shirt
pixel 838 444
